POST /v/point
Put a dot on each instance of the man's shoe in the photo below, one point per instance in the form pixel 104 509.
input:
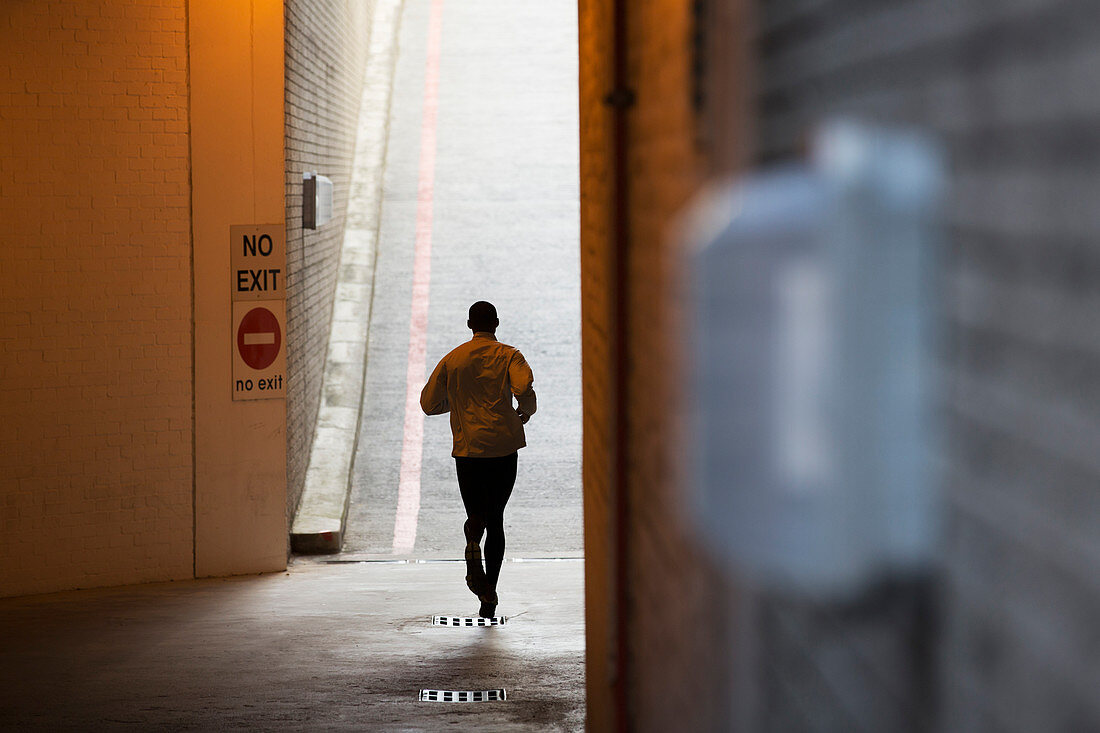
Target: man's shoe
pixel 475 572
pixel 488 605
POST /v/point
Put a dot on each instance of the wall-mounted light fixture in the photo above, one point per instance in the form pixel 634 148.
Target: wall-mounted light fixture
pixel 316 200
pixel 813 405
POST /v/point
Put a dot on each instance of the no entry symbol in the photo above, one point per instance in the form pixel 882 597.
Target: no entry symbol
pixel 259 338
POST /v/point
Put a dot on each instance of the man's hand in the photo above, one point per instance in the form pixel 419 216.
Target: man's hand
pixel 523 417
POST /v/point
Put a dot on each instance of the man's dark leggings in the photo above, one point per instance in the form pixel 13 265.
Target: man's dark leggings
pixel 486 484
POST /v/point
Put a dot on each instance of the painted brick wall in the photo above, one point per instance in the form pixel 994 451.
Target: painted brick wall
pixel 1012 89
pixel 326 48
pixel 95 309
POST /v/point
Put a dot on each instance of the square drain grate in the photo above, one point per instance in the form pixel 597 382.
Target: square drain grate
pixel 463 696
pixel 468 621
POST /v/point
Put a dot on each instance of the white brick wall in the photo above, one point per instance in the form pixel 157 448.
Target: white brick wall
pixel 326 47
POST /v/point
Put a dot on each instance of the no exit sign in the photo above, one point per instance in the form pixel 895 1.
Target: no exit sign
pixel 258 292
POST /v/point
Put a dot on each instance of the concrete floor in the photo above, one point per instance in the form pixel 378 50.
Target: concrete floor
pixel 321 647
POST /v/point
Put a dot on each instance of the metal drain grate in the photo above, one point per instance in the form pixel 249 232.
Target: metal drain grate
pixel 461 696
pixel 468 621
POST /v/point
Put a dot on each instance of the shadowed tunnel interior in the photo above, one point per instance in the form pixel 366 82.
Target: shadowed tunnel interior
pixel 834 419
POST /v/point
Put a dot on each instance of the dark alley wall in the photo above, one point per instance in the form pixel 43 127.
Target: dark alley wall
pixel 326 49
pixel 662 594
pixel 597 286
pixel 678 680
pixel 1002 637
pixel 1011 89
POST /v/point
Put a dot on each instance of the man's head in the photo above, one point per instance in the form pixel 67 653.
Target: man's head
pixel 483 317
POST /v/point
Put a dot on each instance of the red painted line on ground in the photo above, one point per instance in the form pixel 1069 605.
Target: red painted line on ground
pixel 408 492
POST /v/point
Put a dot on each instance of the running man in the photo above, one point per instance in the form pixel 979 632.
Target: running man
pixel 476 383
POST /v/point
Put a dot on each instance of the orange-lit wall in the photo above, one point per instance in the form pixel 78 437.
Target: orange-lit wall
pixel 675 606
pixel 678 618
pixel 237 135
pixel 95 295
pixel 596 349
pixel 132 136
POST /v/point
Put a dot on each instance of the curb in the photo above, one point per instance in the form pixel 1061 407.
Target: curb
pixel 319 523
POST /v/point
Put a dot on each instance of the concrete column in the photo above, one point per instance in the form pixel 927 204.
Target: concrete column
pixel 236 74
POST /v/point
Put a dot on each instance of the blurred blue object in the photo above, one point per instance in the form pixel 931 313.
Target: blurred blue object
pixel 812 319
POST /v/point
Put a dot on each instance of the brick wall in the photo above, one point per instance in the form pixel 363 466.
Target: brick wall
pixel 95 309
pixel 1004 640
pixel 679 603
pixel 1012 90
pixel 326 47
pixel 596 365
pixel 675 615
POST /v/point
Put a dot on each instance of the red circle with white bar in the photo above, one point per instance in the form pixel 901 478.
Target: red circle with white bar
pixel 259 338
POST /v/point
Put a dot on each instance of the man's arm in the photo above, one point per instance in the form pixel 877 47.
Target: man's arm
pixel 433 398
pixel 522 381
